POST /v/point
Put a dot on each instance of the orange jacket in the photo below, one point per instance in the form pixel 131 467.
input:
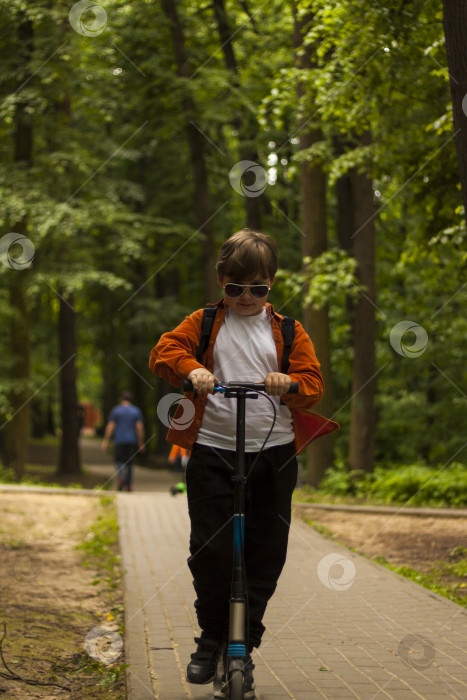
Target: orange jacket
pixel 174 357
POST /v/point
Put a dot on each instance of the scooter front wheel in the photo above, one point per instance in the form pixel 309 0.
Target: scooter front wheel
pixel 220 685
pixel 235 685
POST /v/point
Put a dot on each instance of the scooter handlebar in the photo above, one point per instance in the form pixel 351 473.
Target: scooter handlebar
pixel 188 386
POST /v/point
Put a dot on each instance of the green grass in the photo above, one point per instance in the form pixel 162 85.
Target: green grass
pixel 435 580
pixel 100 546
pixel 49 440
pixel 321 529
pixel 100 553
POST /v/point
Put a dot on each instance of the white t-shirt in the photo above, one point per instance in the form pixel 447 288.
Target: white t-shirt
pixel 245 351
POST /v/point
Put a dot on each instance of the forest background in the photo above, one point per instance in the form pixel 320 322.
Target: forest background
pixel 137 136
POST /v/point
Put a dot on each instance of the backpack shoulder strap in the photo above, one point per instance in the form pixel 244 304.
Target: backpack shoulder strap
pixel 209 314
pixel 288 334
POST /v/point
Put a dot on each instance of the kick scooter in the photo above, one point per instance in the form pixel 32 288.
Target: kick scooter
pixel 234 658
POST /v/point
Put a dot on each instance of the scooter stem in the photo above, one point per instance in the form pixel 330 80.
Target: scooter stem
pixel 237 642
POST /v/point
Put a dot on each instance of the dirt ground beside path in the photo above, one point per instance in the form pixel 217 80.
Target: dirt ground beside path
pixel 47 598
pixel 426 544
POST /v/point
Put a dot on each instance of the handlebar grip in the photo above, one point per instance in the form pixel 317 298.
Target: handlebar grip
pixel 188 386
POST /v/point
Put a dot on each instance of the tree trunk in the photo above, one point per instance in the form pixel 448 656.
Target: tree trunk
pixel 140 399
pixel 16 429
pixel 50 419
pixel 362 419
pixel 320 453
pixel 69 460
pixel 38 418
pixel 246 131
pixel 196 145
pixel 430 415
pixel 160 444
pixel 455 31
pixel 110 389
pixel 69 456
pixel 136 356
pixel 345 225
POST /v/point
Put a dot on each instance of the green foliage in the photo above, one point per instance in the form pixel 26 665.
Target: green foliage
pixel 7 476
pixel 416 485
pixel 109 202
pixel 411 485
pixel 328 279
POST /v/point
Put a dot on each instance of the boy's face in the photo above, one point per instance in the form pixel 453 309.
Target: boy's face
pixel 246 304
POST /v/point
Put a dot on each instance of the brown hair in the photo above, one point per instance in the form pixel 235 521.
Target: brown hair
pixel 246 254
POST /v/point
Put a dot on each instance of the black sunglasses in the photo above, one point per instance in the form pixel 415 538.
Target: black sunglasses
pixel 234 291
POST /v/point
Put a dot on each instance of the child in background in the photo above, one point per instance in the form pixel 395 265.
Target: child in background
pixel 178 458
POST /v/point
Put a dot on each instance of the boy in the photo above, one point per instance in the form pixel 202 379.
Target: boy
pixel 246 344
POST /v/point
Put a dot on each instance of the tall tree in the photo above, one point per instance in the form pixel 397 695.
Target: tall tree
pixel 362 419
pixel 320 454
pixel 196 144
pixel 455 31
pixel 16 430
pixel 245 126
pixel 69 461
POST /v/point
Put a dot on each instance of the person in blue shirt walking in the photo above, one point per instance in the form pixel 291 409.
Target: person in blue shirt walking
pixel 126 425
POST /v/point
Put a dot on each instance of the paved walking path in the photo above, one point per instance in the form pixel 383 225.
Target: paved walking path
pixel 338 626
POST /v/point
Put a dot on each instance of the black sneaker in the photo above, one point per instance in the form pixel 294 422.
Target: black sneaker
pixel 203 665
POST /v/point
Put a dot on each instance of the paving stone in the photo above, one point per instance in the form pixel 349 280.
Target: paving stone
pixel 360 633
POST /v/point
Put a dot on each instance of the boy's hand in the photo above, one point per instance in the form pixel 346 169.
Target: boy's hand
pixel 277 383
pixel 202 380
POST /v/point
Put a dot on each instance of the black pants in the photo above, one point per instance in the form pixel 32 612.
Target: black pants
pixel 125 452
pixel 267 519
